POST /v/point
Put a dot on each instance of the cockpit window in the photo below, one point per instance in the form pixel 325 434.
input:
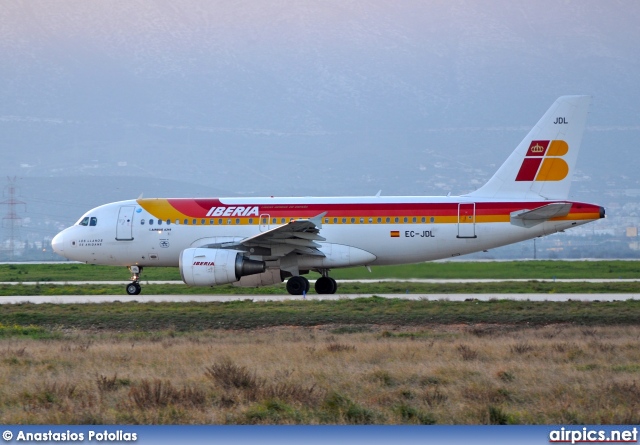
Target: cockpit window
pixel 84 221
pixel 93 221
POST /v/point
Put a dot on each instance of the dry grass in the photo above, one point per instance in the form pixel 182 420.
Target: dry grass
pixel 443 374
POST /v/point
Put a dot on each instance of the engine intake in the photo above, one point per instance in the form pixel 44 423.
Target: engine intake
pixel 211 267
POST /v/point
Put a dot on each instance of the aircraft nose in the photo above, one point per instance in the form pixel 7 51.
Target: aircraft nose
pixel 57 243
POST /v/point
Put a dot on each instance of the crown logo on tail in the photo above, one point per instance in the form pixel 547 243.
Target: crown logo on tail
pixel 537 149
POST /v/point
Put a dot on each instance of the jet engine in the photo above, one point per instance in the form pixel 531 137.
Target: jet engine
pixel 211 267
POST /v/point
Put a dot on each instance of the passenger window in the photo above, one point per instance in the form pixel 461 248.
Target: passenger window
pixel 406 219
pixel 212 222
pixel 344 220
pixel 186 222
pixel 432 219
pixel 177 221
pixel 388 219
pixel 168 222
pixel 203 222
pixel 237 221
pixel 266 221
pixel 335 220
pixel 361 220
pixel 85 221
pixel 397 219
pixel 159 222
pixel 94 221
pixel 326 220
pixel 353 220
pixel 220 222
pixel 415 219
pixel 142 222
pixel 250 220
pixel 194 222
pixel 379 220
pixel 424 219
pixel 150 222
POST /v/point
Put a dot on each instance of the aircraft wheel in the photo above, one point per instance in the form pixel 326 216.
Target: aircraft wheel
pixel 335 286
pixel 297 285
pixel 133 288
pixel 326 285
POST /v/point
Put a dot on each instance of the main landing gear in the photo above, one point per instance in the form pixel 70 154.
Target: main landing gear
pixel 299 285
pixel 134 287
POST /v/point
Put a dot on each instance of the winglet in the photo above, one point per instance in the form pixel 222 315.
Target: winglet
pixel 317 220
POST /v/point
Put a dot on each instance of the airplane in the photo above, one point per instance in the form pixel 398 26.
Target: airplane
pixel 262 241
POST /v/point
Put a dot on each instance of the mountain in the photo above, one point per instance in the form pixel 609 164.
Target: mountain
pixel 307 98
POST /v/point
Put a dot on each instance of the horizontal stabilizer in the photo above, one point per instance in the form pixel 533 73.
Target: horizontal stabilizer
pixel 529 218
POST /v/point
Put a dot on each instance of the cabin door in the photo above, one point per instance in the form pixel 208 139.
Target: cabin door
pixel 467 220
pixel 124 227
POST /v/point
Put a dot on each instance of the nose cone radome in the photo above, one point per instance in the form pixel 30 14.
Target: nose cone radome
pixel 57 244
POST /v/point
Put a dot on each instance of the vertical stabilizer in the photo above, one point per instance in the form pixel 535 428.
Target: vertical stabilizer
pixel 543 163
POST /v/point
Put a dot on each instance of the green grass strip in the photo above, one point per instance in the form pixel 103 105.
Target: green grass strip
pixel 498 270
pixel 360 311
pixel 509 287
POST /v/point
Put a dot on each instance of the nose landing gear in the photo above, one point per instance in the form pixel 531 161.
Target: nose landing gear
pixel 134 287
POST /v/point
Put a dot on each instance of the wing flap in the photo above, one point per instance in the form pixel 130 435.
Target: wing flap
pixel 297 236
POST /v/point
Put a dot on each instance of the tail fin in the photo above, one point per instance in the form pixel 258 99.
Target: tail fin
pixel 543 163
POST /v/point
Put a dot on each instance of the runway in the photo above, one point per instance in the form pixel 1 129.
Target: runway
pixel 369 281
pixel 81 299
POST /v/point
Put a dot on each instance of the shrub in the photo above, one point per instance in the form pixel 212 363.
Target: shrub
pixel 413 415
pixel 229 375
pixel 467 353
pixel 339 347
pixel 158 393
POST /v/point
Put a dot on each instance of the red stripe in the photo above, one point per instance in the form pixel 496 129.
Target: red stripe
pixel 193 207
pixel 529 169
pixel 199 208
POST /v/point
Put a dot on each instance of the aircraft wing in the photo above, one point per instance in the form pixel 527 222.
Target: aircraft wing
pixel 297 236
pixel 530 218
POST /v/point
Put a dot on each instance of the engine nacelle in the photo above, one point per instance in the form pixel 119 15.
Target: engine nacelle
pixel 271 276
pixel 211 267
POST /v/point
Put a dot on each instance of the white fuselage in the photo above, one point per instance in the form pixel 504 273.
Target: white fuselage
pixel 393 230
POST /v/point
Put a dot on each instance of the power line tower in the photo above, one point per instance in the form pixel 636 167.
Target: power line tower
pixel 12 220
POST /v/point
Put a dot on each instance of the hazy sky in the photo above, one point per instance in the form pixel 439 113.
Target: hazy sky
pixel 300 97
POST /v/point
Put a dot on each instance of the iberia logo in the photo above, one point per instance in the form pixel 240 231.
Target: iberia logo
pixel 543 162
